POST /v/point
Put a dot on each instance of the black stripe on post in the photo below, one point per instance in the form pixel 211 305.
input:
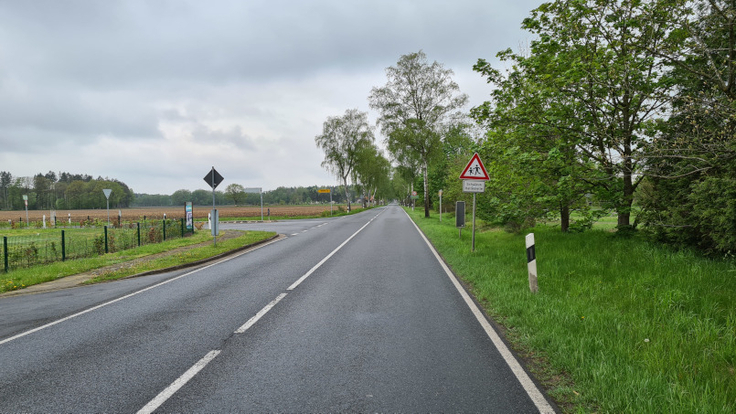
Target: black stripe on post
pixel 530 254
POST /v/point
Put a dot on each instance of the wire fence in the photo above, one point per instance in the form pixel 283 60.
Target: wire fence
pixel 48 246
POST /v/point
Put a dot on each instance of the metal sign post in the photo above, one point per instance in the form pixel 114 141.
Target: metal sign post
pixel 474 178
pixel 107 192
pixel 213 179
pixel 326 191
pixel 256 190
pixel 460 216
pixel 25 200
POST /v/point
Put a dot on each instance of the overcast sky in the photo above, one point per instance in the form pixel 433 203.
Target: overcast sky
pixel 155 93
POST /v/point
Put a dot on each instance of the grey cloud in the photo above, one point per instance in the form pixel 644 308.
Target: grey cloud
pixel 139 43
pixel 234 137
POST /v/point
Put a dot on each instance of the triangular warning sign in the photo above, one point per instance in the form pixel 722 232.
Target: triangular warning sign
pixel 475 170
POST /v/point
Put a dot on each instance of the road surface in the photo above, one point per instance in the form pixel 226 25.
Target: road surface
pixel 351 314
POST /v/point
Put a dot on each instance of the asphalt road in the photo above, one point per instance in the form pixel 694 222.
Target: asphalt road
pixel 353 314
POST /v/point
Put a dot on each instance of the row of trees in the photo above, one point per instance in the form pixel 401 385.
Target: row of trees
pixel 235 194
pixel 62 192
pixel 617 102
pixel 617 105
pixel 418 106
pixel 80 191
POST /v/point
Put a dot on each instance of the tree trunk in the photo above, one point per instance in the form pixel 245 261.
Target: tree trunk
pixel 426 193
pixel 347 194
pixel 624 210
pixel 565 218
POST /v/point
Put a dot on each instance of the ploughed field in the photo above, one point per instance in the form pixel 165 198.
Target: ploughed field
pixel 174 212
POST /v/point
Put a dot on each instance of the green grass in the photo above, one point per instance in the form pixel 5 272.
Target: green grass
pixel 619 325
pixel 18 279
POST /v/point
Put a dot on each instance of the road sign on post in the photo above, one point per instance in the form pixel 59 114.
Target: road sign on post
pixel 107 192
pixel 475 170
pixel 460 216
pixel 256 190
pixel 474 175
pixel 326 191
pixel 213 179
pixel 25 200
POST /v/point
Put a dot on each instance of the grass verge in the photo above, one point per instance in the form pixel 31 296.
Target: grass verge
pixel 619 325
pixel 21 278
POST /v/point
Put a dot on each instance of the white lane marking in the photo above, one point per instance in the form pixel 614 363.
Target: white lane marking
pixel 295 234
pixel 531 389
pixel 176 385
pixel 317 266
pixel 260 314
pixel 48 325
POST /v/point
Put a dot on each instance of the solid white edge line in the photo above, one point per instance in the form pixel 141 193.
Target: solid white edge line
pixel 317 266
pixel 48 325
pixel 260 314
pixel 526 382
pixel 176 385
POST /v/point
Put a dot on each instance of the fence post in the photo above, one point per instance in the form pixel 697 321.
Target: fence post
pixel 164 229
pixel 63 246
pixel 106 251
pixel 5 252
pixel 139 234
pixel 182 228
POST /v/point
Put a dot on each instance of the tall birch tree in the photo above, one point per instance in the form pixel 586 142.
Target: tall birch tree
pixel 418 99
pixel 343 139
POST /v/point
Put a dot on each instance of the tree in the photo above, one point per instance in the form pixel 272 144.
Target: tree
pixel 533 137
pixel 688 197
pixel 415 103
pixel 181 197
pixel 235 192
pixel 600 60
pixel 371 172
pixel 5 180
pixel 342 140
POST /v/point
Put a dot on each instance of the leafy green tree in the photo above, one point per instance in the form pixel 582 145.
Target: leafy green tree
pixel 414 105
pixel 236 193
pixel 6 179
pixel 342 140
pixel 202 197
pixel 181 197
pixel 597 65
pixel 371 172
pixel 689 195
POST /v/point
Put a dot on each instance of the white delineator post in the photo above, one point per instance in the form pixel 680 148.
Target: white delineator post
pixel 531 259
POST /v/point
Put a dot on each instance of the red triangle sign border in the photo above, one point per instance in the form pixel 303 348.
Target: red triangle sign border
pixel 480 169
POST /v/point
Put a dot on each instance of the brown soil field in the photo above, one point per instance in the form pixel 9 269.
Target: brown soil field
pixel 157 213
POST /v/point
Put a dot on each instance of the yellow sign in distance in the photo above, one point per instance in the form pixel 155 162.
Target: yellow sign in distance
pixel 323 190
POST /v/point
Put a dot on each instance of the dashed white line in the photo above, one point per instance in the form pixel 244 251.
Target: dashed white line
pixel 260 314
pixel 317 266
pixel 176 385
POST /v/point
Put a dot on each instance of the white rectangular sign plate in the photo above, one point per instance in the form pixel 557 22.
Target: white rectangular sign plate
pixel 474 186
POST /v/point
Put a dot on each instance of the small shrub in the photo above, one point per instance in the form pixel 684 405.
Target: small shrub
pixel 99 244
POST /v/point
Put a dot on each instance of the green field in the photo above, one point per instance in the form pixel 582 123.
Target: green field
pixel 619 325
